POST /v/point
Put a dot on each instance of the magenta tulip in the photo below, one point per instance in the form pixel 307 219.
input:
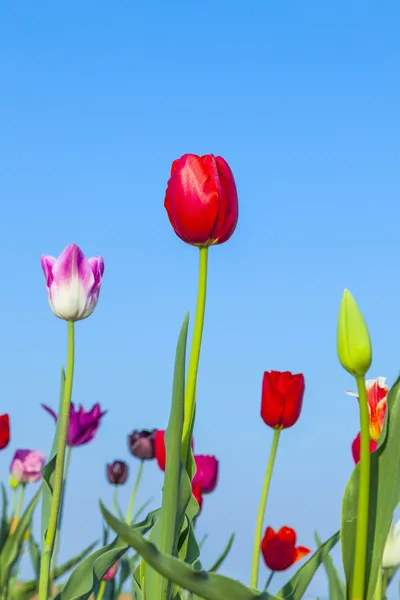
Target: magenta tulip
pixel 73 283
pixel 83 425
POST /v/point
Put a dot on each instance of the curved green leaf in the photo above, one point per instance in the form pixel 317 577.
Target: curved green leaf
pixel 209 586
pixel 384 498
pixel 337 589
pixel 295 588
pixel 224 554
pixel 5 524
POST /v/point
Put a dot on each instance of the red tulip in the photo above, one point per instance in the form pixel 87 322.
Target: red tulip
pixel 4 431
pixel 198 494
pixel 282 398
pixel 201 199
pixel 159 448
pixel 377 392
pixel 356 447
pixel 279 549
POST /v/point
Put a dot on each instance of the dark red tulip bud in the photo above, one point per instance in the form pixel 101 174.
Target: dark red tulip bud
pixel 141 444
pixel 201 199
pixel 282 398
pixel 279 548
pixel 117 472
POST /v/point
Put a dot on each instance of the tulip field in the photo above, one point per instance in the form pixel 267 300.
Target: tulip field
pixel 156 555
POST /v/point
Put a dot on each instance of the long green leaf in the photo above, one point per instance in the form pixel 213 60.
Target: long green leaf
pixel 177 489
pixel 224 554
pixel 337 589
pixel 5 524
pixel 13 546
pixel 209 586
pixel 34 553
pixel 384 498
pixel 295 588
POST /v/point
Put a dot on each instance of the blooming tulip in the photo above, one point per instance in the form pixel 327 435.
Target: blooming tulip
pixel 4 431
pixel 391 554
pixel 141 444
pixel 83 425
pixel 117 472
pixel 73 283
pixel 201 199
pixel 282 398
pixel 27 465
pixel 206 475
pixel 279 549
pixel 356 447
pixel 377 392
pixel 111 573
pixel 353 341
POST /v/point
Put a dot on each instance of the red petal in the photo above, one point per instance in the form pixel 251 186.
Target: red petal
pixel 4 431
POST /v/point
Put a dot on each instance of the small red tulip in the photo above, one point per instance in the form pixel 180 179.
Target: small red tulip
pixel 201 199
pixel 279 549
pixel 356 447
pixel 282 398
pixel 4 431
pixel 159 448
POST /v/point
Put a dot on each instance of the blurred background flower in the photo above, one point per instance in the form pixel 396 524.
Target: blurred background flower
pixel 141 444
pixel 83 425
pixel 26 466
pixel 279 548
pixel 4 431
pixel 117 472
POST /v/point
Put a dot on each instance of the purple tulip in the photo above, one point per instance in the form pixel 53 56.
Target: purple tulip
pixel 27 465
pixel 73 283
pixel 83 425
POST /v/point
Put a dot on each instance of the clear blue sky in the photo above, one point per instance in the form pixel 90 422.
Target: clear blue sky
pixel 302 99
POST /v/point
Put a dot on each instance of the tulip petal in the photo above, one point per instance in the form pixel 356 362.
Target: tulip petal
pixel 47 263
pixel 301 552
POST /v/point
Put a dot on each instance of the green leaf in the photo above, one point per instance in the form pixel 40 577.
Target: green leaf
pixel 337 589
pixel 177 489
pixel 13 546
pixel 209 586
pixel 5 524
pixel 125 572
pixel 34 553
pixel 27 589
pixel 49 469
pixel 140 510
pixel 392 572
pixel 384 498
pixel 295 588
pixel 224 554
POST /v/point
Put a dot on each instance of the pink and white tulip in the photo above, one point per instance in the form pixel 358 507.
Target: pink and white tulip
pixel 27 465
pixel 73 283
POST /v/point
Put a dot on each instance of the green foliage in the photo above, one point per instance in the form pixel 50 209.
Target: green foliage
pixel 337 588
pixel 384 497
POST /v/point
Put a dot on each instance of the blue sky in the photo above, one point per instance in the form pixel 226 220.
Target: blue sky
pixel 301 98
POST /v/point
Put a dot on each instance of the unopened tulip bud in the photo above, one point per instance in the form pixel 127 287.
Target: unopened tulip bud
pixel 141 444
pixel 117 472
pixel 353 341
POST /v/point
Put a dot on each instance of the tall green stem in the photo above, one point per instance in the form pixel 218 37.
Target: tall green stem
pixel 129 514
pixel 363 495
pixel 61 514
pixel 190 392
pixel 261 510
pixel 59 469
pixel 13 502
pixel 115 500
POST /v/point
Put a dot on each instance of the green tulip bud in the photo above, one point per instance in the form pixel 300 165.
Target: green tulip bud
pixel 353 341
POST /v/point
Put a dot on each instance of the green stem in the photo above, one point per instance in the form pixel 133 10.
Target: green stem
pixel 57 542
pixel 101 590
pixel 132 499
pixel 269 580
pixel 378 588
pixel 115 500
pixel 190 392
pixel 59 470
pixel 363 495
pixel 13 502
pixel 20 503
pixel 261 510
pixel 385 583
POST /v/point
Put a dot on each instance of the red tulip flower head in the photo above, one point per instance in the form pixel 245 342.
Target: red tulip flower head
pixel 282 398
pixel 279 549
pixel 83 425
pixel 377 392
pixel 160 452
pixel 201 199
pixel 356 448
pixel 4 431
